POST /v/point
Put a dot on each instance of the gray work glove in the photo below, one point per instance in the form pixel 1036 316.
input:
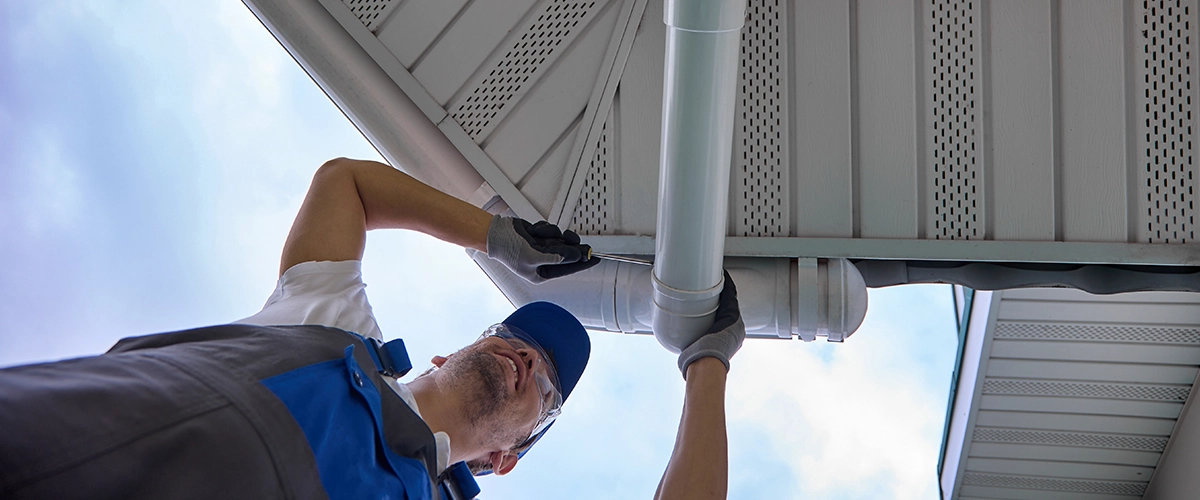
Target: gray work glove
pixel 724 337
pixel 537 252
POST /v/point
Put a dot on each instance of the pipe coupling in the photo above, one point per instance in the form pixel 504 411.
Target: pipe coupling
pixel 682 316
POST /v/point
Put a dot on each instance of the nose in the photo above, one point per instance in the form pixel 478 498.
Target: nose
pixel 530 357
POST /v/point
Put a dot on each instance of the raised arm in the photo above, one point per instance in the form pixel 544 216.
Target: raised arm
pixel 349 197
pixel 699 466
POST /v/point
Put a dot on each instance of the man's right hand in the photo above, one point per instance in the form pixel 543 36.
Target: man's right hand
pixel 724 337
pixel 537 252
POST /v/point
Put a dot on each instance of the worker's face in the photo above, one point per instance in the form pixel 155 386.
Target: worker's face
pixel 502 398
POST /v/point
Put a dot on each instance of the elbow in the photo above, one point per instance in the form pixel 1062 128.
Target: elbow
pixel 335 169
pixel 339 176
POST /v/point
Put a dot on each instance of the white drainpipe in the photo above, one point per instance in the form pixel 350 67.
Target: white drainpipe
pixel 780 297
pixel 699 88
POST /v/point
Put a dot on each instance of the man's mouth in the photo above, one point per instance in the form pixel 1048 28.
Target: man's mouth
pixel 512 365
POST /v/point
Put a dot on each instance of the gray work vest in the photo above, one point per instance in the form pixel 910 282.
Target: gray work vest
pixel 183 415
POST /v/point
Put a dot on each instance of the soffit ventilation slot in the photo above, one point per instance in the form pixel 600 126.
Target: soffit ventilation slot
pixel 1054 484
pixel 1082 439
pixel 521 65
pixel 1165 75
pixel 370 12
pixel 594 213
pixel 760 163
pixel 1096 333
pixel 1020 387
pixel 954 104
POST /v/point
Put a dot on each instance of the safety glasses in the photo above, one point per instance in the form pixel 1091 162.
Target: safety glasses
pixel 545 377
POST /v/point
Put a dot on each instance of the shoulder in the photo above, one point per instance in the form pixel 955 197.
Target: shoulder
pixel 327 293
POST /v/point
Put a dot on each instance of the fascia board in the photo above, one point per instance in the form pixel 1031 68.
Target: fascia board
pixel 1050 252
pixel 384 58
pixel 970 384
pixel 1174 476
pixel 362 77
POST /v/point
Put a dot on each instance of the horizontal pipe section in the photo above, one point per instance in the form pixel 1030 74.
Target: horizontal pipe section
pixel 828 300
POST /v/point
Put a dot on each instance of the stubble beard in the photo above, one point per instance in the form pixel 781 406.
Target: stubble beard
pixel 477 374
pixel 480 378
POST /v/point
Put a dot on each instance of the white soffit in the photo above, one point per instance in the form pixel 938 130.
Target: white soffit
pixel 1014 125
pixel 1071 395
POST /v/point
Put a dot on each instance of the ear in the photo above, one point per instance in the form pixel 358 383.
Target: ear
pixel 503 462
pixel 438 361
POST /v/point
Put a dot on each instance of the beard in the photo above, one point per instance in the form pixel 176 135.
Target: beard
pixel 488 405
pixel 477 374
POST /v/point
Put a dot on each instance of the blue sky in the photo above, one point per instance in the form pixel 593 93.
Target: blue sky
pixel 151 162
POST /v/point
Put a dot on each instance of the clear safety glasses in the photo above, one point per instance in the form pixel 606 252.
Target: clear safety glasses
pixel 546 379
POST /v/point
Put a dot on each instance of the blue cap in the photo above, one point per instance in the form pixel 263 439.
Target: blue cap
pixel 559 334
pixel 562 337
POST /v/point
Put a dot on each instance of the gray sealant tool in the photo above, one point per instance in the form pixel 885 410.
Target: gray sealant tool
pixel 622 258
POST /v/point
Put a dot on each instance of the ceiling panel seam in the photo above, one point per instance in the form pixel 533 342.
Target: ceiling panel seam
pixel 541 45
pixel 569 132
pixel 1047 252
pixel 855 119
pixel 597 110
pixel 442 33
pixel 924 23
pixel 464 48
pixel 385 59
pixel 488 169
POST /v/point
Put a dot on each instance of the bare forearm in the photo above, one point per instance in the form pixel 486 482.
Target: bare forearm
pixel 699 467
pixel 348 197
pixel 395 200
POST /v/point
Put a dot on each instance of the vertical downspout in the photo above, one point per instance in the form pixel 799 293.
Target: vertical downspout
pixel 699 88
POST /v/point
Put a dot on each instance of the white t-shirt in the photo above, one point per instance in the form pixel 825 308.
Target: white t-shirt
pixel 333 294
pixel 320 293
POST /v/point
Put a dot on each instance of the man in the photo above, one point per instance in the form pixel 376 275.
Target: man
pixel 301 401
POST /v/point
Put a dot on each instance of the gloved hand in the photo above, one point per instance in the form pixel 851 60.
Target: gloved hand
pixel 536 252
pixel 724 337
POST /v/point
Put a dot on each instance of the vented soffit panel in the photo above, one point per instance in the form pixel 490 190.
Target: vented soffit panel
pixel 929 131
pixel 1064 393
pixel 1015 126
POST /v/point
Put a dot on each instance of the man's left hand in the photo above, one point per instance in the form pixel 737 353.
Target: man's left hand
pixel 537 252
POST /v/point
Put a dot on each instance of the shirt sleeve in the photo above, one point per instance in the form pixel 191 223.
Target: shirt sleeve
pixel 320 293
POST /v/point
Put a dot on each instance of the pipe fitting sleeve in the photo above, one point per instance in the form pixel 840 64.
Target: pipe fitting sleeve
pixel 706 16
pixel 682 316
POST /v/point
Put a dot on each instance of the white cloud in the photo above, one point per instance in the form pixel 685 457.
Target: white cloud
pixel 863 420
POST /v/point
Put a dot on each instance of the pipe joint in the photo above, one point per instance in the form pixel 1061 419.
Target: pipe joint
pixel 705 16
pixel 682 316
